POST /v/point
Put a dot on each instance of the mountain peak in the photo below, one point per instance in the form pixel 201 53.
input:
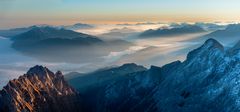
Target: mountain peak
pixel 78 26
pixel 42 29
pixel 124 68
pixel 39 90
pixel 211 46
pixel 59 74
pixel 129 64
pixel 38 70
pixel 213 43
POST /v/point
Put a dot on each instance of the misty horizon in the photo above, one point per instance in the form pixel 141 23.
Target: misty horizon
pixel 119 56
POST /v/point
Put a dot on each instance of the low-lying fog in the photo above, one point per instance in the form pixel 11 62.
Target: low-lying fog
pixel 147 52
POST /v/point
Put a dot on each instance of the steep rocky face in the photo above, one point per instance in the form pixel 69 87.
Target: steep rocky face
pixel 39 90
pixel 197 83
pixel 208 80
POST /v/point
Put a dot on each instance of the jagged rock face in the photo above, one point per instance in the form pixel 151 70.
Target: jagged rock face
pixel 39 90
pixel 195 84
pixel 208 80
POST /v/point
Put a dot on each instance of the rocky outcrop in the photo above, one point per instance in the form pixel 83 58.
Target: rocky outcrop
pixel 39 90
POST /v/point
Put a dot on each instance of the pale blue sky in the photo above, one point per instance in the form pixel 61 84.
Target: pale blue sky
pixel 26 12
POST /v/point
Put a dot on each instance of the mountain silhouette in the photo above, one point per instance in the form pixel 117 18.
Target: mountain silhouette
pixel 186 29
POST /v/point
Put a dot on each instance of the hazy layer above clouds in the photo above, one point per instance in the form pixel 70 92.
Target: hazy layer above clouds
pixel 147 52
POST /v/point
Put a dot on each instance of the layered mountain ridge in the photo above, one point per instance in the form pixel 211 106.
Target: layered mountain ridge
pixel 38 34
pixel 16 31
pixel 49 43
pixel 228 35
pixel 185 29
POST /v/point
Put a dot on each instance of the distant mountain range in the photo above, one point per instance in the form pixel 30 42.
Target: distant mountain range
pixel 38 34
pixel 119 33
pixel 229 35
pixel 230 31
pixel 205 26
pixel 210 26
pixel 47 42
pixel 16 31
pixel 168 32
pixel 78 26
pixel 208 80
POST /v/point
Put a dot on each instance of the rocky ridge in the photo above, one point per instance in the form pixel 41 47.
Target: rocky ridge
pixel 39 90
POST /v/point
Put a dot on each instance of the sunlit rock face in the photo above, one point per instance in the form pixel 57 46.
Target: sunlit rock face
pixel 39 90
pixel 208 80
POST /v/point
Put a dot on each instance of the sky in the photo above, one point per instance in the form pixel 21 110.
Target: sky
pixel 14 13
